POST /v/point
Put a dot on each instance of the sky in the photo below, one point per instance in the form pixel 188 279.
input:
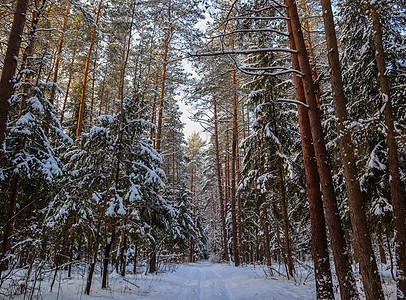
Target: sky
pixel 187 110
pixel 190 126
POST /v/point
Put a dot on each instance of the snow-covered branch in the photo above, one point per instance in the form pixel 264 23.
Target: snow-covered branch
pixel 243 52
pixel 292 101
pixel 251 31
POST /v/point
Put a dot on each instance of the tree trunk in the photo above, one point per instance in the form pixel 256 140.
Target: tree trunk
pixel 227 174
pixel 67 87
pixel 234 221
pixel 59 51
pixel 267 242
pixel 71 249
pixel 312 59
pixel 398 199
pixel 239 206
pixel 163 80
pixel 123 249
pixel 220 187
pixel 382 253
pixel 12 204
pixel 362 239
pixel 152 260
pixel 93 86
pixel 288 252
pixel 107 255
pixel 192 189
pixel 29 53
pixel 8 228
pixel 276 210
pixel 101 93
pixel 390 258
pixel 340 250
pixel 91 269
pixel 324 284
pixel 84 85
pixel 9 69
pixel 135 260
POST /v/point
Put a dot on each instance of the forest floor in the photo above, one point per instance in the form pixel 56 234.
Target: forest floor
pixel 201 280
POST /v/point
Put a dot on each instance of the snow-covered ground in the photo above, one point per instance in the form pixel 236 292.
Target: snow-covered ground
pixel 201 280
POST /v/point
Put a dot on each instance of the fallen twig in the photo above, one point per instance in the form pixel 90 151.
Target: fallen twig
pixel 130 282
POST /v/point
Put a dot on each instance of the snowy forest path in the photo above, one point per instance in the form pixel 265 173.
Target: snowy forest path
pixel 205 283
pixel 195 281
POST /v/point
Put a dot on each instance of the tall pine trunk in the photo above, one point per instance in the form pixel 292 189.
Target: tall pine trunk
pixel 59 51
pixel 220 187
pixel 12 203
pixel 191 239
pixel 287 247
pixel 397 194
pixel 324 284
pixel 312 59
pixel 163 80
pixel 340 250
pixel 85 75
pixel 9 69
pixel 234 220
pixel 362 239
pixel 65 99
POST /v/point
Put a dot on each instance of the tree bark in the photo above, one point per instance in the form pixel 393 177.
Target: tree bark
pixel 107 255
pixel 101 93
pixel 267 242
pixel 8 228
pixel 312 59
pixel 288 252
pixel 220 187
pixel 9 69
pixel 93 86
pixel 227 174
pixel 84 85
pixel 191 240
pixel 27 60
pixel 234 221
pixel 91 269
pixel 29 53
pixel 362 239
pixel 59 51
pixel 340 250
pixel 67 87
pixel 71 249
pixel 163 80
pixel 397 194
pixel 324 284
pixel 123 249
pixel 152 260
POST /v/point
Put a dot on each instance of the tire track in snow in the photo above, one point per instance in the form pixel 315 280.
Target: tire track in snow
pixel 206 284
pixel 193 286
